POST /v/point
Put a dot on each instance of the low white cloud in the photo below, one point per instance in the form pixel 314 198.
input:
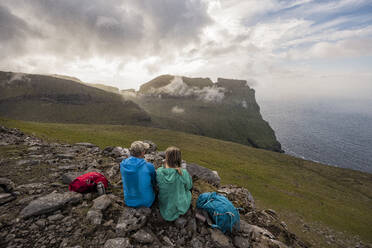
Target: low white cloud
pixel 180 89
pixel 178 110
pixel 339 49
pixel 19 77
pixel 244 104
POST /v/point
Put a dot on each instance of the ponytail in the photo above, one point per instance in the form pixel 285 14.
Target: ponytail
pixel 179 170
pixel 173 158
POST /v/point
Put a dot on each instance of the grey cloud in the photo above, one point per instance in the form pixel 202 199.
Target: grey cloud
pixel 107 28
pixel 87 27
pixel 13 32
pixel 176 21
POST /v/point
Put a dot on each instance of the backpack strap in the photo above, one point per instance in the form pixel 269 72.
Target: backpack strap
pixel 231 215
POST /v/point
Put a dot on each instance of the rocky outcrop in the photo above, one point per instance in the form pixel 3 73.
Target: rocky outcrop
pixel 45 214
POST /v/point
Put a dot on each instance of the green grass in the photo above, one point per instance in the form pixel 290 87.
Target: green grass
pixel 338 198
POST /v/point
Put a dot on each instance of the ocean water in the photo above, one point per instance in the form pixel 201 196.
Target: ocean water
pixel 334 132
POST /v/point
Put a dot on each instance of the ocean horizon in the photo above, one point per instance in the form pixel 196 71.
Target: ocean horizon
pixel 333 132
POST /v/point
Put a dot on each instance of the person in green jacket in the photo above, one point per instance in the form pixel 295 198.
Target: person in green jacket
pixel 174 185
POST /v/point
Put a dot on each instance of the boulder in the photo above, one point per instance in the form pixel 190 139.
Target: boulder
pixel 161 154
pixel 219 239
pixel 101 203
pixel 7 185
pixel 132 219
pixel 50 203
pixel 6 197
pixel 118 152
pixel 156 160
pixel 117 243
pixel 143 237
pixel 152 146
pixel 240 197
pixel 203 173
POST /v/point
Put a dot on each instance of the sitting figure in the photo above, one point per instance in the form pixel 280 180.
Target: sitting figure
pixel 174 186
pixel 138 177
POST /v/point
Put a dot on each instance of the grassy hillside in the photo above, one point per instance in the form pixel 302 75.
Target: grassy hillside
pixel 53 99
pixel 300 191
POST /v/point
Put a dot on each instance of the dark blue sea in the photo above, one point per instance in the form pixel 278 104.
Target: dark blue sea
pixel 334 132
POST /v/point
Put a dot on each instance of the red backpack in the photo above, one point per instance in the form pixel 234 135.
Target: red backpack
pixel 87 182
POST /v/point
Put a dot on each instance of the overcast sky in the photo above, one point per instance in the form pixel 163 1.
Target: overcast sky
pixel 284 48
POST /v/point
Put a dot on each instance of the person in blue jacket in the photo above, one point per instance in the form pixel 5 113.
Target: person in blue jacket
pixel 139 177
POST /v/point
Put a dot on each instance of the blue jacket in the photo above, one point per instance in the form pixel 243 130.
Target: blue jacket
pixel 138 177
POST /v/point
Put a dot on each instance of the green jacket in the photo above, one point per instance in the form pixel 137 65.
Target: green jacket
pixel 174 192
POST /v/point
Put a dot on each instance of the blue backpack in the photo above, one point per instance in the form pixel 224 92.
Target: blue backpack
pixel 220 209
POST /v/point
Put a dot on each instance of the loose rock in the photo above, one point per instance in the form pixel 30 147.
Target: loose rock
pixel 50 203
pixel 95 217
pixel 143 237
pixel 117 243
pixel 101 203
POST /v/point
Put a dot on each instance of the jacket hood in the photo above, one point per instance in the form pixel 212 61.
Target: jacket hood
pixel 170 175
pixel 133 164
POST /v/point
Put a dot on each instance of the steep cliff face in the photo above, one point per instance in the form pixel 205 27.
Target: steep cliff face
pixel 52 99
pixel 225 110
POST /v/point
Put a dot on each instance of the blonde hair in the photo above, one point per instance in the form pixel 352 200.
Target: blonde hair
pixel 173 158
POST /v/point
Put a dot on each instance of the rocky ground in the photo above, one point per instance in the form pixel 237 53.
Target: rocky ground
pixel 37 210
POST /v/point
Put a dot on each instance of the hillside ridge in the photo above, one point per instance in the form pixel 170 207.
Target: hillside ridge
pixel 225 110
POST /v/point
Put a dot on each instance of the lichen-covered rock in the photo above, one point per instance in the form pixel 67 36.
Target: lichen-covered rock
pixel 117 243
pixel 50 203
pixel 143 237
pixel 113 171
pixel 239 196
pixel 94 217
pixel 155 159
pixel 152 146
